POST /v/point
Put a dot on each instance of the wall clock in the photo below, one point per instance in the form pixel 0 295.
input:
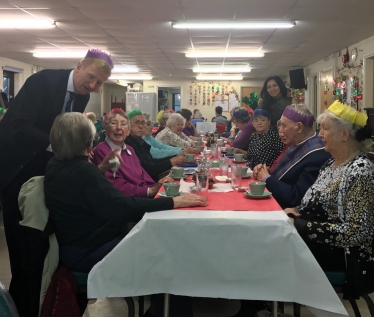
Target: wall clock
pixel 354 54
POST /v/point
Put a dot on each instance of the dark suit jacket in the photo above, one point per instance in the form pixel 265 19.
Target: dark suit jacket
pixel 291 188
pixel 24 130
pixel 156 168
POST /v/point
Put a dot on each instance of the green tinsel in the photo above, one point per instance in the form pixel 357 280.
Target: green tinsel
pixel 252 100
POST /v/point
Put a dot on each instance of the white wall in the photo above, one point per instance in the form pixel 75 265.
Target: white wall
pixel 207 111
pixel 19 78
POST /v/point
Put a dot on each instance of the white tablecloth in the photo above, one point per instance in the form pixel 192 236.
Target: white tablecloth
pixel 219 254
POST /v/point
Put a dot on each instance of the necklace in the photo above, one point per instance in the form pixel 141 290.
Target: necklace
pixel 350 158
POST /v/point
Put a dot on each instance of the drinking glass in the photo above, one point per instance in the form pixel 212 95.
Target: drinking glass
pixel 223 166
pixel 223 150
pixel 208 154
pixel 214 150
pixel 236 176
pixel 202 185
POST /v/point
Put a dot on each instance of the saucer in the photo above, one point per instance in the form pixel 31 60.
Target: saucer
pixel 163 194
pixel 247 193
pixel 178 177
pixel 243 161
pixel 247 176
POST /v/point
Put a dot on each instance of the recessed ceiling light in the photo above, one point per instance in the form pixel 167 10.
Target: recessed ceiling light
pixel 217 77
pixel 216 54
pixel 26 24
pixel 129 77
pixel 235 25
pixel 59 54
pixel 220 69
pixel 124 69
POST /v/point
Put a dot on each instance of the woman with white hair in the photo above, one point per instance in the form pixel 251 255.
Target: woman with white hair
pixel 173 133
pixel 336 215
pixel 90 217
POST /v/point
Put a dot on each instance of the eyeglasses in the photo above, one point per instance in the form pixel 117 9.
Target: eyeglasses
pixel 138 123
pixel 116 124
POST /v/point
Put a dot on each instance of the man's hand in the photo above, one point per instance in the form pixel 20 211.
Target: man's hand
pixel 105 165
pixel 179 159
pixel 260 171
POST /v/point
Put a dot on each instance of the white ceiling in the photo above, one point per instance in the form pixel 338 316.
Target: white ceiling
pixel 138 32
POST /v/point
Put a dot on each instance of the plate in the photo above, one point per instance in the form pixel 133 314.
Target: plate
pixel 178 177
pixel 239 161
pixel 163 194
pixel 247 193
pixel 247 176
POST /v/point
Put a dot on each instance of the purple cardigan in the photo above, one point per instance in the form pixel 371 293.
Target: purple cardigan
pixel 242 141
pixel 131 179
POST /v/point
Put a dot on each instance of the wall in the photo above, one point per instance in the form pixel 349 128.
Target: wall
pixel 94 104
pixel 207 111
pixel 19 78
pixel 109 93
pixel 365 73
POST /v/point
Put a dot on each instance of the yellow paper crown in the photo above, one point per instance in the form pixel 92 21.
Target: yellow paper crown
pixel 348 113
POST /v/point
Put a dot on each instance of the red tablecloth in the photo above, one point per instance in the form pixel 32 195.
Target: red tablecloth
pixel 235 200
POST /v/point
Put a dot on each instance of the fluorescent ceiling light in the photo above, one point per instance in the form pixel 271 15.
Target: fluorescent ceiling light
pixel 26 24
pixel 124 69
pixel 213 54
pixel 129 77
pixel 235 25
pixel 215 77
pixel 220 69
pixel 60 54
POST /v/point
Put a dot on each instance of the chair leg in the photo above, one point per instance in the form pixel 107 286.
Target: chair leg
pixel 355 308
pixel 370 304
pixel 130 306
pixel 141 306
pixel 297 309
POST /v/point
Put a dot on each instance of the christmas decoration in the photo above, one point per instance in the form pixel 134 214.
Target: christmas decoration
pixel 251 100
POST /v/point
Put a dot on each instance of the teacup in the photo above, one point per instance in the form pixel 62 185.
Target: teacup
pixel 177 172
pixel 238 157
pixel 190 157
pixel 230 150
pixel 171 189
pixel 215 163
pixel 257 188
pixel 198 142
pixel 244 170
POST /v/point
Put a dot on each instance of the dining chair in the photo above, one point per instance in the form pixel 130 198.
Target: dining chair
pixel 336 279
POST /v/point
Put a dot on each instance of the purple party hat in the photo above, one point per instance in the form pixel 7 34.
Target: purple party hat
pixel 96 53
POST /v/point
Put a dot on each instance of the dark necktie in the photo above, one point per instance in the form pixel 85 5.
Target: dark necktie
pixel 70 100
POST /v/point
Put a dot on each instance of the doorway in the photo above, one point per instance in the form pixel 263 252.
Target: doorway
pixel 8 87
pixel 169 97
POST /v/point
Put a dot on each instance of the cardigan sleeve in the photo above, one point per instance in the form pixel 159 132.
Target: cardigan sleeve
pixel 242 141
pixel 160 150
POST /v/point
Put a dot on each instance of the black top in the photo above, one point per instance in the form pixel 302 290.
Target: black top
pixel 156 168
pixel 85 208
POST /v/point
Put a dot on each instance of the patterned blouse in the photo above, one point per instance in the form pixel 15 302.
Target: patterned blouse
pixel 264 148
pixel 168 137
pixel 338 211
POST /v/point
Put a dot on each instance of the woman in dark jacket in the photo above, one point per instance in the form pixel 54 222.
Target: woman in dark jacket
pixel 274 99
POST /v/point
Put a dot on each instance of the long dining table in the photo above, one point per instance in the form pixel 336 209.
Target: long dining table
pixel 236 248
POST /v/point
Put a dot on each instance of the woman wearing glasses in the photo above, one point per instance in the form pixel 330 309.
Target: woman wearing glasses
pixel 130 178
pixel 173 133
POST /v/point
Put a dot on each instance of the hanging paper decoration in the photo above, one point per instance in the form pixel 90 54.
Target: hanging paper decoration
pixel 297 94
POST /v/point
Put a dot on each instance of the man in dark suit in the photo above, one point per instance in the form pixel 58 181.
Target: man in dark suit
pixel 25 147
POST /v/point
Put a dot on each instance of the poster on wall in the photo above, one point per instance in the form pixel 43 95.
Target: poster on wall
pixel 233 101
pixel 221 101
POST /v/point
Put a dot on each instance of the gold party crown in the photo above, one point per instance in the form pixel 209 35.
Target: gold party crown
pixel 348 113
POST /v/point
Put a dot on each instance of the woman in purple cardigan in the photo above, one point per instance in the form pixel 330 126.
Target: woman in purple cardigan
pixel 130 178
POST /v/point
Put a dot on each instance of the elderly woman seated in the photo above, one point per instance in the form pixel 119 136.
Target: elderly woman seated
pixel 264 144
pixel 89 215
pixel 130 178
pixel 160 150
pixel 161 119
pixel 242 121
pixel 299 166
pixel 336 215
pixel 173 133
pixel 189 129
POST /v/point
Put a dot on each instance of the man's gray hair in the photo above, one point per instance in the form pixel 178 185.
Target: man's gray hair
pixel 301 108
pixel 174 118
pixel 71 135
